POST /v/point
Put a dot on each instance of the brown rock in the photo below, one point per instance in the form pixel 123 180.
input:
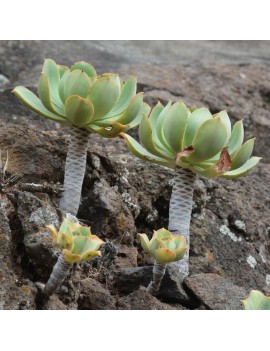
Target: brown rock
pixel 126 257
pixel 94 296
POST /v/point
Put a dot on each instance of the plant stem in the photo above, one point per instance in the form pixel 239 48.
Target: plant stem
pixel 158 273
pixel 180 213
pixel 58 275
pixel 74 170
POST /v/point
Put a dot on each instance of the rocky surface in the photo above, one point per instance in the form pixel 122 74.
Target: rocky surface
pixel 215 292
pixel 123 196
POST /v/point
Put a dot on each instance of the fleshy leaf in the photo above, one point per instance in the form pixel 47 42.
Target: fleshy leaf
pixel 103 94
pixel 243 154
pixel 145 109
pixel 44 95
pixel 209 140
pixel 89 255
pixel 226 120
pixel 237 138
pixel 51 71
pixel 79 111
pixel 77 83
pixel 127 93
pixel 110 131
pixel 85 67
pixel 70 257
pixel 195 120
pixel 33 102
pixel 145 242
pixel 239 172
pixel 53 232
pixel 142 153
pixel 64 241
pixel 174 125
pixel 132 110
pixel 256 301
pixel 164 256
pixel 146 137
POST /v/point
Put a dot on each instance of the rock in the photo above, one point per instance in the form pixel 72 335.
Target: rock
pixel 126 257
pixel 16 291
pixel 141 300
pixel 126 280
pixel 34 215
pixel 123 196
pixel 215 292
pixel 94 296
pixel 54 303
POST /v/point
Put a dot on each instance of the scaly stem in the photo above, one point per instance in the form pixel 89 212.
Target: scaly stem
pixel 58 275
pixel 180 213
pixel 74 170
pixel 158 273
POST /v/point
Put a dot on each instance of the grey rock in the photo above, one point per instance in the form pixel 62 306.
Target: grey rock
pixel 34 215
pixel 141 300
pixel 216 292
pixel 16 291
pixel 126 280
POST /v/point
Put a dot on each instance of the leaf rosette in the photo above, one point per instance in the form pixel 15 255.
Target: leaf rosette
pixel 101 104
pixel 76 241
pixel 164 246
pixel 192 138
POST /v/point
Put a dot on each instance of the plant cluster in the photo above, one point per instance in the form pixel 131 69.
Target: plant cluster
pixel 189 140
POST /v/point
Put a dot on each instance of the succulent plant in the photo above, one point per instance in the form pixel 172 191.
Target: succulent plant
pixel 256 301
pixel 165 248
pixel 76 241
pixel 88 103
pixel 194 139
pixel 77 244
pixel 191 141
pixel 78 96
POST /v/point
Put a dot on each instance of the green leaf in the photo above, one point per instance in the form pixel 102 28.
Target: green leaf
pixel 32 101
pixel 132 110
pixel 62 84
pixel 243 154
pixel 175 124
pixel 51 71
pixel 81 245
pixel 127 93
pixel 239 172
pixel 153 118
pixel 145 242
pixel 226 120
pixel 79 111
pixel 77 83
pixel 208 141
pixel 146 137
pixel 145 109
pixel 142 153
pixel 256 301
pixel 86 67
pixel 237 138
pixel 110 131
pixel 103 94
pixel 195 120
pixel 44 94
pixel 62 69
